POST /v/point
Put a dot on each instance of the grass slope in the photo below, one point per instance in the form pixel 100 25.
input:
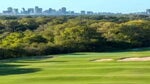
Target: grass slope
pixel 76 68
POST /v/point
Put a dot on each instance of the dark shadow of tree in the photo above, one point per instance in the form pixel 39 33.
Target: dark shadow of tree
pixel 35 59
pixel 41 61
pixel 9 69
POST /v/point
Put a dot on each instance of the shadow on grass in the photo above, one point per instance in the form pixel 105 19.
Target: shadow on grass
pixel 77 54
pixel 26 58
pixel 41 61
pixel 8 69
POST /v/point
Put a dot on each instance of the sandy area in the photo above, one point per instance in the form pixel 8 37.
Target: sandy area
pixel 124 59
pixel 135 59
pixel 103 60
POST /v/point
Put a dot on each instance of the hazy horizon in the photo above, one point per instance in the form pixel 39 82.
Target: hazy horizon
pixel 116 6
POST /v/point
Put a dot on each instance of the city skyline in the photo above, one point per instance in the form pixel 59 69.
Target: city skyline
pixel 62 11
pixel 115 6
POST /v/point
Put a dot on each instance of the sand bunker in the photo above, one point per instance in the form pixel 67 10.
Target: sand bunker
pixel 135 59
pixel 102 60
pixel 124 59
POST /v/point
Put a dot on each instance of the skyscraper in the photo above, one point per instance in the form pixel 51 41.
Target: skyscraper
pixel 16 11
pixel 30 10
pixel 63 10
pixel 148 11
pixel 90 12
pixel 10 9
pixel 38 10
pixel 82 12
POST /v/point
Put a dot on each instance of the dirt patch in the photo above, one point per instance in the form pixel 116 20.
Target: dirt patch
pixel 102 60
pixel 135 59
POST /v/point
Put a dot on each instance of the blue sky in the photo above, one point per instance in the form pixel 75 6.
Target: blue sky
pixel 124 6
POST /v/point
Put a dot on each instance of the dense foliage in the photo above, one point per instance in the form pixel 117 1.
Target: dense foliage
pixel 43 35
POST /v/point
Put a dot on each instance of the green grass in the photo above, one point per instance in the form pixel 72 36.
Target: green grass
pixel 76 68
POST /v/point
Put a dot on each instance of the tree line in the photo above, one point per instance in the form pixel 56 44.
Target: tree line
pixel 44 35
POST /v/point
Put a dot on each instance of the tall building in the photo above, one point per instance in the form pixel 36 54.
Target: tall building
pixel 38 10
pixel 10 9
pixel 63 10
pixel 90 12
pixel 30 10
pixel 24 11
pixel 83 13
pixel 16 11
pixel 50 10
pixel 72 12
pixel 148 11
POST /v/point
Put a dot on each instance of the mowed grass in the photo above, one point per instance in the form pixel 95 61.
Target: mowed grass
pixel 76 68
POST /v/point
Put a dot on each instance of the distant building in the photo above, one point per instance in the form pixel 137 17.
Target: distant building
pixel 50 10
pixel 30 10
pixel 16 11
pixel 8 11
pixel 90 12
pixel 63 10
pixel 148 11
pixel 83 12
pixel 38 10
pixel 24 11
pixel 71 13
